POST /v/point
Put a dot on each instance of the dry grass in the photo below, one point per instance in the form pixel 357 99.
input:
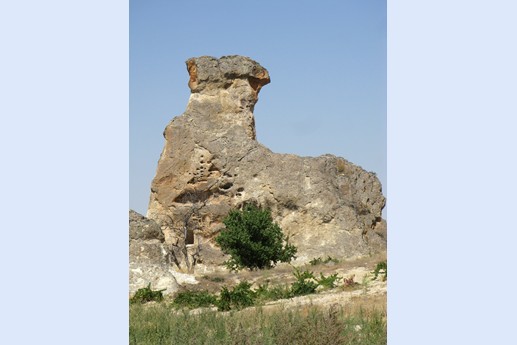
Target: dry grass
pixel 341 166
pixel 308 325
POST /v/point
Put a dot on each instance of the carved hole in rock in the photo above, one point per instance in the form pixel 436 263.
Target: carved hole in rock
pixel 241 189
pixel 226 186
pixel 190 237
pixel 201 161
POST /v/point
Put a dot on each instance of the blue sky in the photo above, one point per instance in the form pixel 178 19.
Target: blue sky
pixel 326 59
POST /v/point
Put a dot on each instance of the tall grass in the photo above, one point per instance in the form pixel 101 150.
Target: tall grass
pixel 161 324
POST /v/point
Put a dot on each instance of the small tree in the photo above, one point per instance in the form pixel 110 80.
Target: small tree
pixel 183 229
pixel 253 240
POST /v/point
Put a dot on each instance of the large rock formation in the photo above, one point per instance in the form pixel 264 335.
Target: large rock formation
pixel 149 258
pixel 212 163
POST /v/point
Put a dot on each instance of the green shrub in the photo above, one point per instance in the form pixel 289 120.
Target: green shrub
pixel 319 260
pixel 253 240
pixel 224 302
pixel 239 297
pixel 242 296
pixel 381 266
pixel 194 299
pixel 328 282
pixel 144 295
pixel 266 293
pixel 304 283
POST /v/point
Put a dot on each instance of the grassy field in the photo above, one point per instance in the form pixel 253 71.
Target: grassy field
pixel 161 324
pixel 283 306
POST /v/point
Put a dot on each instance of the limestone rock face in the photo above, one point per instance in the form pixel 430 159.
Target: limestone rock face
pixel 148 256
pixel 212 163
pixel 141 228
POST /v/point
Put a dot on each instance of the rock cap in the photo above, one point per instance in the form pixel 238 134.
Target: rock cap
pixel 207 72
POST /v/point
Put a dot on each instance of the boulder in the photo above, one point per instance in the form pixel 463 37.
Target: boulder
pixel 149 258
pixel 141 228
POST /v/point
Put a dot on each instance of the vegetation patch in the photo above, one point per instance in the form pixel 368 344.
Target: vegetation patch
pixel 305 283
pixel 253 240
pixel 341 166
pixel 381 268
pixel 311 325
pixel 239 297
pixel 194 299
pixel 319 261
pixel 145 295
pixel 328 282
pixel 265 293
pixel 242 295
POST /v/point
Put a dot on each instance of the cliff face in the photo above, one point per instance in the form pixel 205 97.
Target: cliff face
pixel 211 163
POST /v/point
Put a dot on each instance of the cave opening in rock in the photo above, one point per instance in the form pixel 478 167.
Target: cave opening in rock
pixel 190 237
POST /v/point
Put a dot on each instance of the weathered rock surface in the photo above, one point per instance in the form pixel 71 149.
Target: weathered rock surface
pixel 148 256
pixel 211 163
pixel 141 228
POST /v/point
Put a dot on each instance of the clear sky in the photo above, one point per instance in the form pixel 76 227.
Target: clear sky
pixel 326 59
